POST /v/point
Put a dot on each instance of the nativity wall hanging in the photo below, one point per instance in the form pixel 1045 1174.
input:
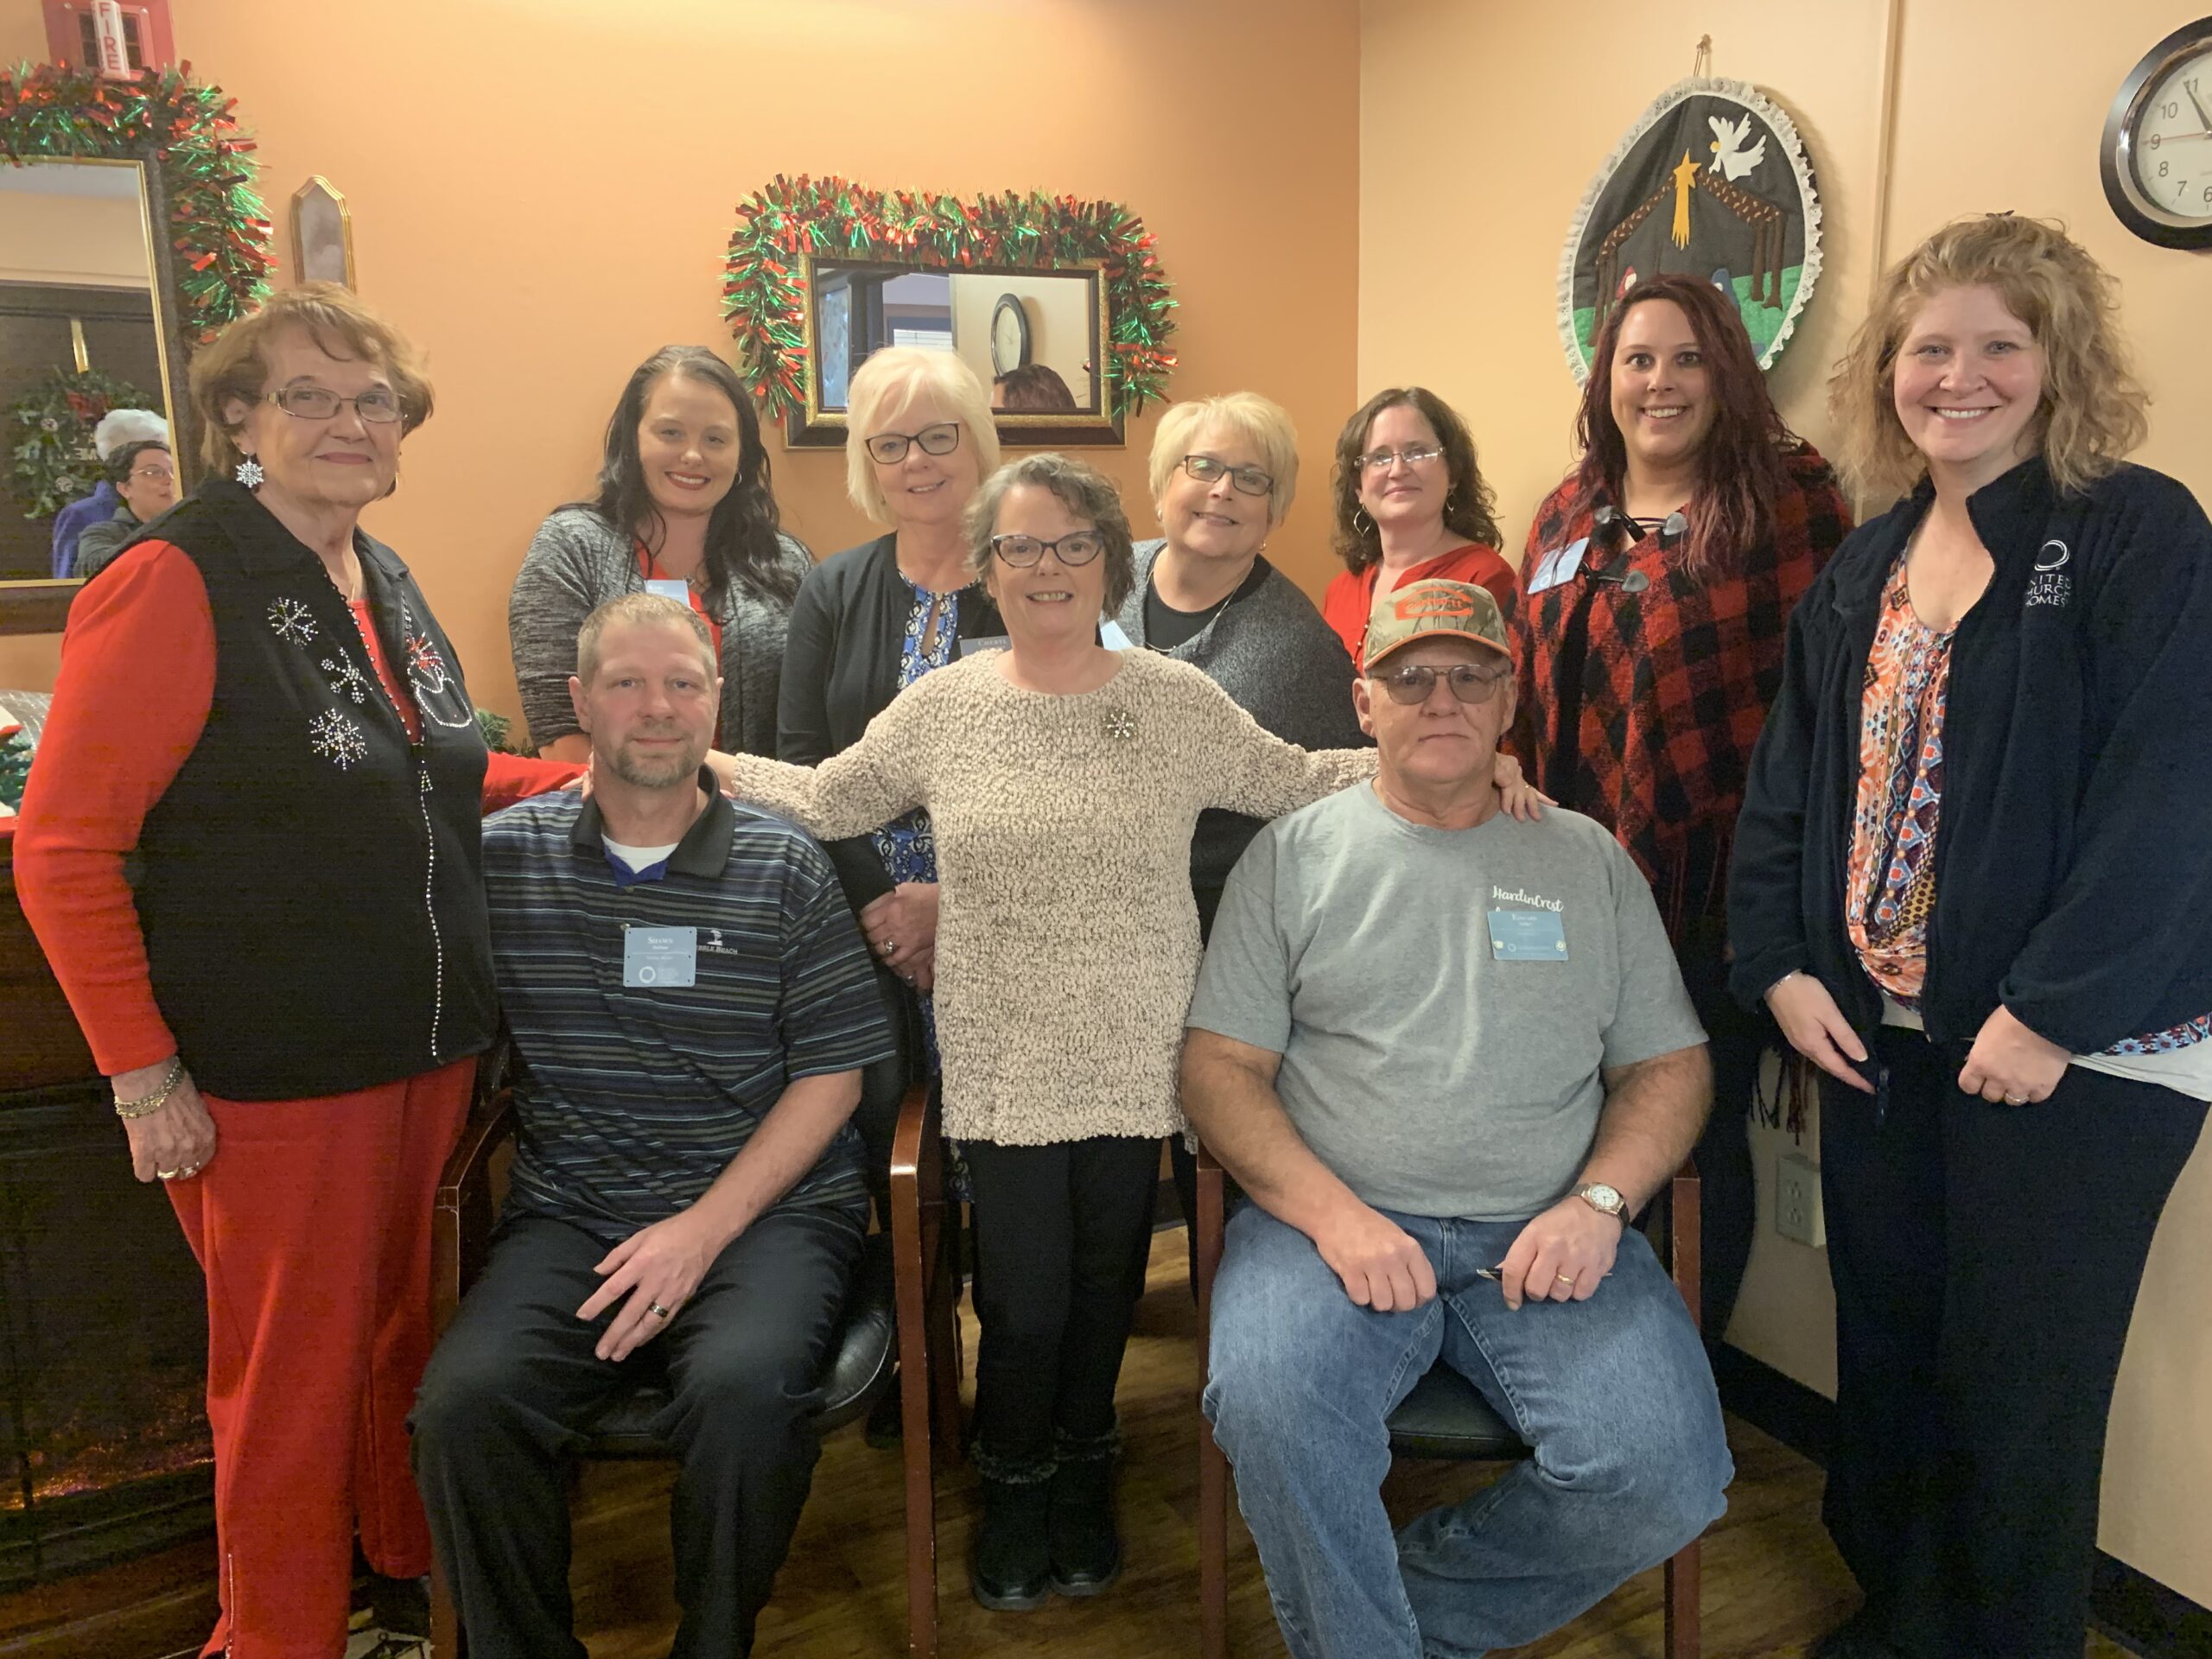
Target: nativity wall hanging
pixel 1712 180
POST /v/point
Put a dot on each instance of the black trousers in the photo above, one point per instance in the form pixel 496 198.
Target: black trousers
pixel 1986 1261
pixel 1059 1232
pixel 514 1387
pixel 1728 1198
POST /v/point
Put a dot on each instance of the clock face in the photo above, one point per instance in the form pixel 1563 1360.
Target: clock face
pixel 1009 336
pixel 2171 139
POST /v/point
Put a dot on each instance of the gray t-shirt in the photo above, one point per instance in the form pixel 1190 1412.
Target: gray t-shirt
pixel 1431 1076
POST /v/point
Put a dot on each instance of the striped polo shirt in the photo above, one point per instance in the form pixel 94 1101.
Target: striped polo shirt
pixel 634 1098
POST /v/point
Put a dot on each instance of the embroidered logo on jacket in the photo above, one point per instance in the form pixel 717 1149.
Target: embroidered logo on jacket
pixel 2051 585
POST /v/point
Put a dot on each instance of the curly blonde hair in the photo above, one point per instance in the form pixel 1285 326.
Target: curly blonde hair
pixel 2092 409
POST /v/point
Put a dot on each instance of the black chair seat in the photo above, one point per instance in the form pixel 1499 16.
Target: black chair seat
pixel 1445 1417
pixel 857 1373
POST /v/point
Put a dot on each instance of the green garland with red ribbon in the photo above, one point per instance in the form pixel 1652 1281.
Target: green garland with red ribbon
pixel 218 226
pixel 49 436
pixel 835 218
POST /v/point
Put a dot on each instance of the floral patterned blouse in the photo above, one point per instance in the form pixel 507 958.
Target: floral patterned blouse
pixel 1891 867
pixel 906 845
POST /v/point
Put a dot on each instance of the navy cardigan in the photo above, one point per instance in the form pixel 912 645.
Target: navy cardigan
pixel 2073 857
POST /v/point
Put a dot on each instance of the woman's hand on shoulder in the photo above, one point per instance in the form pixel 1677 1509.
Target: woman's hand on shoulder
pixel 1518 796
pixel 1816 1029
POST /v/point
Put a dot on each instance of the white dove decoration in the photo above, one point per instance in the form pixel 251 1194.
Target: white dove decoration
pixel 1729 157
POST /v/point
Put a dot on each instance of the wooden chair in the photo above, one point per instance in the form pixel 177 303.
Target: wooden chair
pixel 1444 1417
pixel 902 1301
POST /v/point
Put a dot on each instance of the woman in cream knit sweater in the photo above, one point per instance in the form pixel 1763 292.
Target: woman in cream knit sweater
pixel 1063 780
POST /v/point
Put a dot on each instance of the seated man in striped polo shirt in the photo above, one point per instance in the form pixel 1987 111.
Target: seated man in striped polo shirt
pixel 693 1005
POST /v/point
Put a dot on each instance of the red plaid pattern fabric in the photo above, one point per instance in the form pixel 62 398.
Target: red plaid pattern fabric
pixel 1676 683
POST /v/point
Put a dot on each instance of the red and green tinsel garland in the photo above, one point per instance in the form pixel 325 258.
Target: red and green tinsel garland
pixel 218 226
pixel 835 218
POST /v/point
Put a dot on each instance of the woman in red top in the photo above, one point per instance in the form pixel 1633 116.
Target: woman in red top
pixel 1411 505
pixel 1654 597
pixel 257 706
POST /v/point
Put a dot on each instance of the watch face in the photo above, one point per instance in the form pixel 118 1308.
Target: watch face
pixel 1605 1198
pixel 2172 139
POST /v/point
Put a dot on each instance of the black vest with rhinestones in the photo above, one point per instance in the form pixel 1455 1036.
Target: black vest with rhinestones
pixel 311 883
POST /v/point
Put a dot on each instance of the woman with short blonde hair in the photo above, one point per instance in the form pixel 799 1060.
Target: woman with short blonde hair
pixel 1970 881
pixel 900 380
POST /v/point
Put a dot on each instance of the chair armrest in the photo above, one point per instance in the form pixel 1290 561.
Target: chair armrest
pixel 918 1146
pixel 1685 1259
pixel 465 1207
pixel 1207 1226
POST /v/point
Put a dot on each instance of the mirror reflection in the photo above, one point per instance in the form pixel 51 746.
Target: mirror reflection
pixel 80 341
pixel 1031 336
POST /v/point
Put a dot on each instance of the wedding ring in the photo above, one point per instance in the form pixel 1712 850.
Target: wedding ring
pixel 2016 1099
pixel 889 946
pixel 167 1174
pixel 656 1310
pixel 1567 1278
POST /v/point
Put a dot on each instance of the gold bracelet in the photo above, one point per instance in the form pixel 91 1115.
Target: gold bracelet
pixel 147 1105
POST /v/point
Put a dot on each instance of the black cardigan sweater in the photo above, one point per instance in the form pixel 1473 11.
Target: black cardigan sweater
pixel 2072 877
pixel 841 669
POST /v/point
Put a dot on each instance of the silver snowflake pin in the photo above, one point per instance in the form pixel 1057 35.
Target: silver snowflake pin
pixel 292 620
pixel 249 473
pixel 334 737
pixel 1119 723
pixel 351 682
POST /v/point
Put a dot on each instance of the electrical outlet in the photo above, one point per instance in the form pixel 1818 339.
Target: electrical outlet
pixel 1797 1200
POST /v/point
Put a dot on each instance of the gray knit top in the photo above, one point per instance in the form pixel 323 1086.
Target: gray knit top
pixel 577 562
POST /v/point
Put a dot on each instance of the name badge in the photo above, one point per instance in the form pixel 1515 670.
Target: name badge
pixel 1558 564
pixel 1526 936
pixel 660 955
pixel 1111 637
pixel 678 591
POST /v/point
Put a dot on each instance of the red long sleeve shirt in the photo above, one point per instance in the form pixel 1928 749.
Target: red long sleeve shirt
pixel 138 680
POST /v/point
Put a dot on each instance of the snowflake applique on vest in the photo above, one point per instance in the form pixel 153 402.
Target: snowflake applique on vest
pixel 292 620
pixel 336 738
pixel 350 682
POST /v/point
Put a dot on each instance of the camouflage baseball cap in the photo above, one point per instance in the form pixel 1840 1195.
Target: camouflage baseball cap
pixel 1420 608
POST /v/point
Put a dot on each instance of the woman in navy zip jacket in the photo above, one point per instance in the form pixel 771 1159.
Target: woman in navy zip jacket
pixel 1971 880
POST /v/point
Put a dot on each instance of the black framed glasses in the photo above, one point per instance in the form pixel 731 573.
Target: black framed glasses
pixel 1076 547
pixel 1411 682
pixel 1378 460
pixel 940 439
pixel 1246 480
pixel 378 405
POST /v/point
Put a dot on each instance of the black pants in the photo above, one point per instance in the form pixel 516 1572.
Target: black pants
pixel 514 1387
pixel 1060 1267
pixel 1728 1198
pixel 1986 1261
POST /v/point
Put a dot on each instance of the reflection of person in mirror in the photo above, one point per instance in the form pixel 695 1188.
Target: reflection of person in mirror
pixel 289 995
pixel 117 428
pixel 144 476
pixel 1033 388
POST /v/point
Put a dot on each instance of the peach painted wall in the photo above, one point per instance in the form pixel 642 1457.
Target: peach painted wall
pixel 1481 122
pixel 543 189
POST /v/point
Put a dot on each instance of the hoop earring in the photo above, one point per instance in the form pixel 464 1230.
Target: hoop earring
pixel 1358 513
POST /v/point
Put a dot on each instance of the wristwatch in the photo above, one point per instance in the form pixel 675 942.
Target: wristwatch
pixel 1606 1200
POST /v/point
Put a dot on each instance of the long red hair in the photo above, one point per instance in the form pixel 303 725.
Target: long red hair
pixel 1740 472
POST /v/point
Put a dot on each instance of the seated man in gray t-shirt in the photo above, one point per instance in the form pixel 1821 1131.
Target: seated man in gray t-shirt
pixel 1448 1054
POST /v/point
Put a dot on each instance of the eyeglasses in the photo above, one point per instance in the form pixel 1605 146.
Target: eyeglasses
pixel 942 439
pixel 1076 547
pixel 379 405
pixel 153 474
pixel 1413 683
pixel 1247 480
pixel 1378 460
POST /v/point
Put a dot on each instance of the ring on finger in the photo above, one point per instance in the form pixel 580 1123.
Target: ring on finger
pixel 167 1174
pixel 1564 1278
pixel 2016 1099
pixel 656 1311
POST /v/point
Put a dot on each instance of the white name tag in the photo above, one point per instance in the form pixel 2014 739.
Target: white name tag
pixel 660 956
pixel 678 591
pixel 1559 565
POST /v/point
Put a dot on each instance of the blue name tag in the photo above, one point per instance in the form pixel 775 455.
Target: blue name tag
pixel 1526 936
pixel 678 591
pixel 660 955
pixel 1559 565
pixel 1111 637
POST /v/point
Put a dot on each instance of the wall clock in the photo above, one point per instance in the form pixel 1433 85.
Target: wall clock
pixel 2157 154
pixel 1010 335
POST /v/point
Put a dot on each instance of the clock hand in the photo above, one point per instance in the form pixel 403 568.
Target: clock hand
pixel 2190 89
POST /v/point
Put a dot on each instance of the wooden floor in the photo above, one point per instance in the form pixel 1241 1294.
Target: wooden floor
pixel 1773 1584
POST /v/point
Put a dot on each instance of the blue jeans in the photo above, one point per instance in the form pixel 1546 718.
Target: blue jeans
pixel 1614 1395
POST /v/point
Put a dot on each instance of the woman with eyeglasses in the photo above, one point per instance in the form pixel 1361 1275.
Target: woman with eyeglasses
pixel 684 509
pixel 1411 506
pixel 144 476
pixel 1657 593
pixel 258 711
pixel 1064 781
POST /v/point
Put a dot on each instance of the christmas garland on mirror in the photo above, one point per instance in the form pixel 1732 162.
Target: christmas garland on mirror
pixel 50 437
pixel 833 217
pixel 218 228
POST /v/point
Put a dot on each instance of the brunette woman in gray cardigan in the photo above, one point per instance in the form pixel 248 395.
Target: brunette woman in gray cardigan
pixel 683 507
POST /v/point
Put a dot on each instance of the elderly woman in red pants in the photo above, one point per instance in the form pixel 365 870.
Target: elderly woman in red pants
pixel 258 706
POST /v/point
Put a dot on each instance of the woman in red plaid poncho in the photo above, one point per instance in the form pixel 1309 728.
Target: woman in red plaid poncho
pixel 1648 636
